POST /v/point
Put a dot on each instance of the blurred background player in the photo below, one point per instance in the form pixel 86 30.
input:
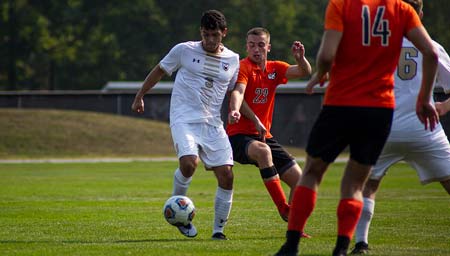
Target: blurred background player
pixel 360 48
pixel 206 71
pixel 250 134
pixel 427 152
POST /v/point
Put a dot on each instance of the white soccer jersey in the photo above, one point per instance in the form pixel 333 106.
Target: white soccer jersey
pixel 406 125
pixel 201 82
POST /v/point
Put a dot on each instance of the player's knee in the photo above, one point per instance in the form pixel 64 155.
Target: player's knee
pixel 261 153
pixel 188 165
pixel 291 176
pixel 225 180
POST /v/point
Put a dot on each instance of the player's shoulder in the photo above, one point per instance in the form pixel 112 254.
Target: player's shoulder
pixel 278 63
pixel 228 53
pixel 439 47
pixel 246 64
pixel 188 45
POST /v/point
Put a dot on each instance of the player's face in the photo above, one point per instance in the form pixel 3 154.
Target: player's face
pixel 257 48
pixel 212 39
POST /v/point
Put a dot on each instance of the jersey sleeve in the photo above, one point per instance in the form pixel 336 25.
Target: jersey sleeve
pixel 171 62
pixel 333 15
pixel 243 73
pixel 235 75
pixel 281 69
pixel 412 18
pixel 443 72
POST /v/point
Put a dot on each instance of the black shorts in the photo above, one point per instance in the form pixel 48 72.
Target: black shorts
pixel 363 129
pixel 280 157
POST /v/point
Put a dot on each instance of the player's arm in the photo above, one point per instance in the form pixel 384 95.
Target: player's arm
pixel 236 98
pixel 303 68
pixel 248 113
pixel 150 81
pixel 443 107
pixel 425 110
pixel 325 58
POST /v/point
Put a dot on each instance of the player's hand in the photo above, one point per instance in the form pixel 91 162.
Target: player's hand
pixel 234 116
pixel 298 50
pixel 138 105
pixel 427 114
pixel 441 108
pixel 262 131
pixel 315 79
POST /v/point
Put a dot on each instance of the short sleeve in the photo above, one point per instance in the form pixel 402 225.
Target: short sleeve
pixel 171 62
pixel 333 15
pixel 443 72
pixel 235 75
pixel 412 19
pixel 244 71
pixel 281 69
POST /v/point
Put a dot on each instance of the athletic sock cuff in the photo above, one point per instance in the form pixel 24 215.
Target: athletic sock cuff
pixel 268 172
pixel 180 177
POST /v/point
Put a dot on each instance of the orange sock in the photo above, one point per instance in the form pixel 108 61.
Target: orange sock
pixel 302 206
pixel 277 194
pixel 348 213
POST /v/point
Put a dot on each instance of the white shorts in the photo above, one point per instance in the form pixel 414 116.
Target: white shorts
pixel 430 159
pixel 206 141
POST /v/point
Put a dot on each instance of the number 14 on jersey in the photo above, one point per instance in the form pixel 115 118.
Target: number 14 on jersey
pixel 379 28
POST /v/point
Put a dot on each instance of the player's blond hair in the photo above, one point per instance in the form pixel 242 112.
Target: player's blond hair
pixel 257 31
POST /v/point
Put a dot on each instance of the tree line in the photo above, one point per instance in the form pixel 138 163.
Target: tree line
pixel 82 44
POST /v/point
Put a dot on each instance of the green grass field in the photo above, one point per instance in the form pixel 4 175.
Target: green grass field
pixel 116 209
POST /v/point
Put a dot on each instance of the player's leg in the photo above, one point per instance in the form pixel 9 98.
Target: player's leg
pixel 187 151
pixel 261 153
pixel 223 200
pixel 392 153
pixel 291 177
pixel 431 160
pixel 362 228
pixel 351 203
pixel 367 136
pixel 217 155
pixel 303 203
pixel 324 145
pixel 249 150
pixel 186 148
pixel 287 168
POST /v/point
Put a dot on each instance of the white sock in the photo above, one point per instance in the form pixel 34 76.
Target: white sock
pixel 180 183
pixel 362 229
pixel 222 208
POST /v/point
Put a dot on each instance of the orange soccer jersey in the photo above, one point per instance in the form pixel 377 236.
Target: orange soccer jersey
pixel 259 94
pixel 373 30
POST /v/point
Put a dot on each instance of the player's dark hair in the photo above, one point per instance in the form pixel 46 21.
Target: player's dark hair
pixel 257 31
pixel 213 19
pixel 416 4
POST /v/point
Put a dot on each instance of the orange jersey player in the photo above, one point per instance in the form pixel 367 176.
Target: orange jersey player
pixel 250 135
pixel 360 48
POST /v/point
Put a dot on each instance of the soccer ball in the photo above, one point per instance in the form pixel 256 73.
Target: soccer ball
pixel 179 210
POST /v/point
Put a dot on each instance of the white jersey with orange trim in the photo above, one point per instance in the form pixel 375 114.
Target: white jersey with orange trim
pixel 201 82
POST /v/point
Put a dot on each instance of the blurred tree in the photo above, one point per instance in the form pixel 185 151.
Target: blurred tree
pixel 82 44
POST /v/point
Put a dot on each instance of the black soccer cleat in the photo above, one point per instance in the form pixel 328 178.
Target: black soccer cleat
pixel 360 248
pixel 219 236
pixel 286 251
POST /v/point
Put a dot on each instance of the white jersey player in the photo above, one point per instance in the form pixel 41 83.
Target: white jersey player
pixel 206 70
pixel 427 152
